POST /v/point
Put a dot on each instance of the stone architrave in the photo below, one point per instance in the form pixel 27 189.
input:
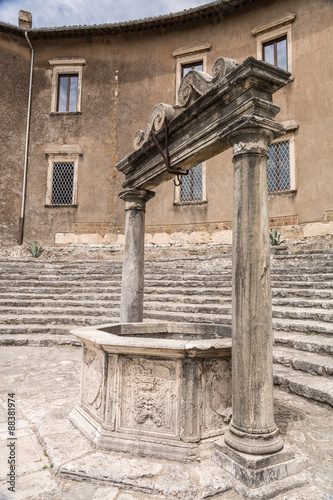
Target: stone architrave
pixel 131 306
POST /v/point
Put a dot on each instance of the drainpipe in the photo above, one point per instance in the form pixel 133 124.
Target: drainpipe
pixel 26 141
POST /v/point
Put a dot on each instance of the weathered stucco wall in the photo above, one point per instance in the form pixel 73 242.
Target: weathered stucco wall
pixel 15 64
pixel 123 78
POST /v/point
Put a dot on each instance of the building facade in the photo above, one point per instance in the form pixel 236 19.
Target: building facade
pixel 94 86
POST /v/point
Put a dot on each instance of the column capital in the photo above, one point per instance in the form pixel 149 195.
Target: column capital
pixel 136 199
pixel 251 134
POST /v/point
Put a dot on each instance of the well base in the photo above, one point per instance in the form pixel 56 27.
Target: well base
pixel 254 471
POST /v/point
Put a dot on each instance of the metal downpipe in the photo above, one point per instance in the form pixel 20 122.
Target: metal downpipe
pixel 26 141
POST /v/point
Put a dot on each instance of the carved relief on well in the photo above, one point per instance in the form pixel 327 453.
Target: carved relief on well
pixel 216 395
pixel 93 380
pixel 148 395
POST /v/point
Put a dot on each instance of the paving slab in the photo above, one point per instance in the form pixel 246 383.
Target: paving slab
pixel 56 462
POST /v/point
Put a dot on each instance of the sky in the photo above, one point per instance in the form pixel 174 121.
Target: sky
pixel 51 13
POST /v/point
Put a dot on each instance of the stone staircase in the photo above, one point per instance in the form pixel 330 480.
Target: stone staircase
pixel 41 301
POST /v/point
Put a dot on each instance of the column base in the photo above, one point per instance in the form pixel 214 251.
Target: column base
pixel 256 470
pixel 253 444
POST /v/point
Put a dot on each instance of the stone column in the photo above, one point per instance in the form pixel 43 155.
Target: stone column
pixel 252 429
pixel 131 307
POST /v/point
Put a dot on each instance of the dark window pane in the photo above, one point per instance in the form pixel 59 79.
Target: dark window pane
pixel 63 90
pixel 73 93
pixel 278 167
pixel 191 185
pixel 186 68
pixel 282 54
pixel 62 183
pixel 269 53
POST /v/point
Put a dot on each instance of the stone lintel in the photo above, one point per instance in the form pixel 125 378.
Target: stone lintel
pixel 195 134
pixel 63 149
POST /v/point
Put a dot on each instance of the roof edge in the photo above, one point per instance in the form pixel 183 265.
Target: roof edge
pixel 210 9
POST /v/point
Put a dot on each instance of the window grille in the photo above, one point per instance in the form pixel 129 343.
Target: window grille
pixel 278 167
pixel 62 183
pixel 191 185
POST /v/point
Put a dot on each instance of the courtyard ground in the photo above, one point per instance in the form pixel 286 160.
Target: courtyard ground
pixel 55 459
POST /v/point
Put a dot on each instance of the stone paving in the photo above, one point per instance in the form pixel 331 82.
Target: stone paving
pixel 55 461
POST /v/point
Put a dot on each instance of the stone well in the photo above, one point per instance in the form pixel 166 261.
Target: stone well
pixel 157 389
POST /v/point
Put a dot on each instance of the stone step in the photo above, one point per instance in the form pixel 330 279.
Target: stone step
pixel 185 298
pixel 12 330
pixel 302 292
pixel 318 344
pixel 302 326
pixel 187 308
pixel 175 316
pixel 65 296
pixel 312 285
pixel 315 364
pixel 303 303
pixel 39 340
pixel 57 318
pixel 318 389
pixel 304 313
pixel 292 276
pixel 61 290
pixel 49 304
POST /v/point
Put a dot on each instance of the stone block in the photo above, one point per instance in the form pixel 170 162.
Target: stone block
pixel 314 229
pixel 90 239
pixel 121 239
pixel 148 239
pixel 197 237
pixel 330 228
pixel 222 237
pixel 161 239
pixel 65 238
pixel 110 239
pixel 255 470
pixel 179 238
pixel 291 232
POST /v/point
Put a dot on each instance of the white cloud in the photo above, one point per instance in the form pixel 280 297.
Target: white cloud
pixel 73 12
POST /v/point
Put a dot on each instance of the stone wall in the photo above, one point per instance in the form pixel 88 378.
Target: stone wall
pixel 15 63
pixel 125 75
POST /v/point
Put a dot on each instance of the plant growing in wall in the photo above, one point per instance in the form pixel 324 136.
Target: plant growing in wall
pixel 35 249
pixel 275 238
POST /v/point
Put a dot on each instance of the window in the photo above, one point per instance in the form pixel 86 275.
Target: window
pixel 281 161
pixel 188 67
pixel 191 185
pixel 67 93
pixel 192 188
pixel 274 42
pixel 62 183
pixel 275 52
pixel 66 84
pixel 278 167
pixel 187 59
pixel 62 175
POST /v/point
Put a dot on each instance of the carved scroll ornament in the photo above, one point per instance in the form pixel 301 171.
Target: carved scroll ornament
pixel 155 123
pixel 196 83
